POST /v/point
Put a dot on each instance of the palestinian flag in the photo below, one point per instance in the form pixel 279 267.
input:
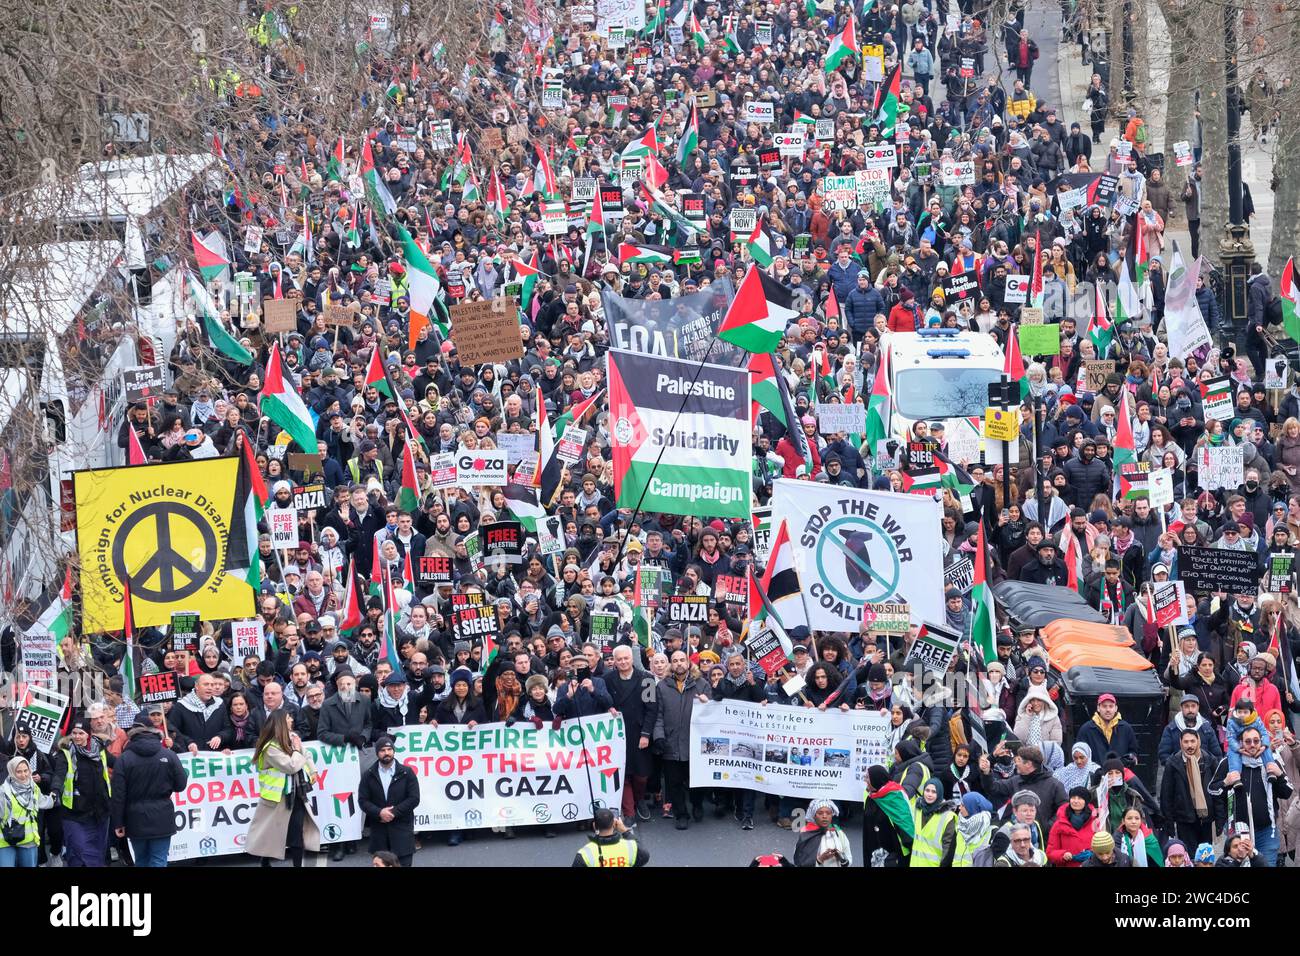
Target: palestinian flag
pixel 215 330
pixel 1125 451
pixel 212 264
pixel 543 177
pixel 660 206
pixel 1132 271
pixel 335 169
pixel 376 188
pixel 765 389
pixel 632 252
pixel 690 139
pixel 377 375
pixel 576 414
pixel 844 47
pixel 305 243
pixel 779 594
pixel 697 33
pixel 127 670
pixel 1287 290
pixel 281 403
pixel 885 108
pixel 804 118
pixel 658 20
pixel 57 618
pixel 831 308
pixel 655 175
pixel 134 450
pixel 1014 365
pixel 527 276
pixel 879 405
pixel 251 498
pixel 731 42
pixel 1036 280
pixel 758 314
pixel 549 467
pixel 984 625
pixel 350 615
pixel 1100 331
pixel 497 201
pixel 423 289
pixel 924 481
pixel 408 499
pixel 388 651
pixel 522 502
pixel 851 398
pixel 825 378
pixel 596 218
pixel 759 245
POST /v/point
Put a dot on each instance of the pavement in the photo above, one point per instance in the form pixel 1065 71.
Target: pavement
pixel 709 843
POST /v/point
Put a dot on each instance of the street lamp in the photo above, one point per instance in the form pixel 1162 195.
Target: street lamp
pixel 1237 249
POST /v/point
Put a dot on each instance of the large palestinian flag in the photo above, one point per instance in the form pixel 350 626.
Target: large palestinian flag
pixel 680 435
pixel 757 317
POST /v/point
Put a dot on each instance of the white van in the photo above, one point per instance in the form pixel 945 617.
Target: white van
pixel 943 375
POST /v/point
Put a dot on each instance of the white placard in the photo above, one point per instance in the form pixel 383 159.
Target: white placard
pixel 743 220
pixel 1160 488
pixel 841 417
pixel 791 143
pixel 478 467
pixel 825 130
pixel 1182 153
pixel 284 527
pixel 873 186
pixel 246 637
pixel 253 239
pixel 881 155
pixel 757 111
pixel 1221 467
pixel 1276 369
pixel 954 173
pixel 1017 288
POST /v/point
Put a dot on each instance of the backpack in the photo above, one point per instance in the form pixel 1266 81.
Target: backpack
pixel 1273 311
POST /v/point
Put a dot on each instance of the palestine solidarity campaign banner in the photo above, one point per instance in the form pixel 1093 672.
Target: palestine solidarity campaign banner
pixel 854 547
pixel 787 751
pixel 702 455
pixel 494 775
pixel 215 810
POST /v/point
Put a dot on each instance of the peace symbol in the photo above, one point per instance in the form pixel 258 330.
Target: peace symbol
pixel 177 575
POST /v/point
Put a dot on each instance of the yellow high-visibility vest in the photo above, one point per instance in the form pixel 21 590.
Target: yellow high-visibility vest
pixel 927 845
pixel 622 853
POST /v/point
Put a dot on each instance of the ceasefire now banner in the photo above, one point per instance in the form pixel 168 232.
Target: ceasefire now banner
pixel 854 547
pixel 494 775
pixel 787 751
pixel 693 463
pixel 215 810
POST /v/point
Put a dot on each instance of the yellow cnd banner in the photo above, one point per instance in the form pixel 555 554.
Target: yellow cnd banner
pixel 166 528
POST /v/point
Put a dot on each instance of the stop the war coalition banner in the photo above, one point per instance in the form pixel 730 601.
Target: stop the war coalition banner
pixel 494 775
pixel 215 810
pixel 693 463
pixel 787 751
pixel 853 548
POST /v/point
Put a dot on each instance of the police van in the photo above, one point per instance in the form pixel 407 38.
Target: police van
pixel 943 375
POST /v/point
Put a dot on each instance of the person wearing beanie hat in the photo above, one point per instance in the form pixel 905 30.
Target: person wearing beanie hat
pixel 1108 733
pixel 1104 852
pixel 888 823
pixel 388 796
pixel 1070 838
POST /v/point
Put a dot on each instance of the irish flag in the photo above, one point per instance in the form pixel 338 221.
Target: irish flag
pixel 983 632
pixel 843 47
pixel 376 188
pixel 281 403
pixel 759 313
pixel 1287 290
pixel 423 289
pixel 211 262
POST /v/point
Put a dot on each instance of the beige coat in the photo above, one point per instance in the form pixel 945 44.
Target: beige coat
pixel 270 828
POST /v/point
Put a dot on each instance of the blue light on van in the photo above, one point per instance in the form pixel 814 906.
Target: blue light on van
pixel 948 353
pixel 938 333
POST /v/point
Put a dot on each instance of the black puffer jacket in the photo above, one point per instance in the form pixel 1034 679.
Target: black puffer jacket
pixel 144 780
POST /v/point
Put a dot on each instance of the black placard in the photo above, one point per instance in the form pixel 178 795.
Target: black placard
pixel 688 609
pixel 1217 569
pixel 503 542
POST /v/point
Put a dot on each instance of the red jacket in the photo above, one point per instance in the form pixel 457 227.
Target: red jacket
pixel 787 452
pixel 902 318
pixel 1064 838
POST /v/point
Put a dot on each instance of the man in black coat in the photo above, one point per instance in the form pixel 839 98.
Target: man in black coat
pixel 627 685
pixel 388 796
pixel 1181 792
pixel 1048 569
pixel 739 684
pixel 200 720
pixel 144 779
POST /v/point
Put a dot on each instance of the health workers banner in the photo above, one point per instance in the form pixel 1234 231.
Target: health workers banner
pixel 853 548
pixel 680 436
pixel 215 810
pixel 787 751
pixel 493 775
